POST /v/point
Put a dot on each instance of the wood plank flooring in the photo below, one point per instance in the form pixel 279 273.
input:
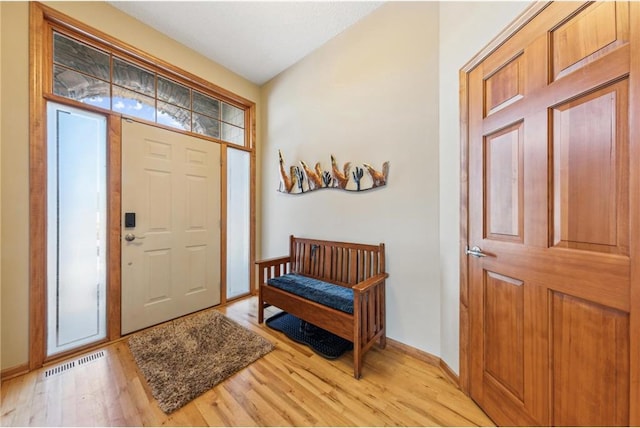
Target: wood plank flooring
pixel 291 386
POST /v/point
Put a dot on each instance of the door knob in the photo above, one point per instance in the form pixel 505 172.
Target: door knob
pixel 131 237
pixel 475 251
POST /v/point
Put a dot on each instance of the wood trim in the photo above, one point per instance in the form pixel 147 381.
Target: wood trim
pixel 634 204
pixel 450 374
pixel 520 21
pixel 414 352
pixel 252 202
pixel 77 351
pixel 37 190
pixel 252 223
pixel 14 371
pixel 114 192
pixel 464 231
pixel 426 357
pixel 77 104
pixel 252 126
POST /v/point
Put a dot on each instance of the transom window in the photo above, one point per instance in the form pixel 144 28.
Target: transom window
pixel 103 79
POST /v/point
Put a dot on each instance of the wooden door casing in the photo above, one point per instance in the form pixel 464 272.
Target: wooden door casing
pixel 548 317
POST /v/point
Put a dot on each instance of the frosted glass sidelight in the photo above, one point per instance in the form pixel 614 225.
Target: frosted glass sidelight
pixel 238 215
pixel 76 228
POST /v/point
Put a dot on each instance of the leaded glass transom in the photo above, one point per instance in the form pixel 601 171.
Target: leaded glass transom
pixel 100 78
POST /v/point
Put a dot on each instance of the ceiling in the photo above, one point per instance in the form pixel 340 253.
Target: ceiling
pixel 255 39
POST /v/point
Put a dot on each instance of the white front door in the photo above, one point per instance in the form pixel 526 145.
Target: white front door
pixel 171 256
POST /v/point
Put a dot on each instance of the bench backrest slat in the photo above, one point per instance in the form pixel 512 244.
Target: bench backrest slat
pixel 342 263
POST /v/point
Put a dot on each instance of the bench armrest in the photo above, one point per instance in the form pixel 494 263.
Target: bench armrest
pixel 272 261
pixel 269 268
pixel 363 286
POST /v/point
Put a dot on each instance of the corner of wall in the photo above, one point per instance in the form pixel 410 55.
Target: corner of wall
pixel 464 29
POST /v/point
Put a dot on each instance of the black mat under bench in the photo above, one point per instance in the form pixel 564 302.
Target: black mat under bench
pixel 321 341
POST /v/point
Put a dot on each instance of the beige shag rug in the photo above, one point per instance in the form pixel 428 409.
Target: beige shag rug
pixel 188 356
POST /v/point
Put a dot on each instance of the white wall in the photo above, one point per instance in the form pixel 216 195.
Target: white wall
pixel 386 89
pixel 368 95
pixel 465 28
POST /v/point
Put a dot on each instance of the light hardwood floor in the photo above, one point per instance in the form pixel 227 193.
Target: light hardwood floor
pixel 291 386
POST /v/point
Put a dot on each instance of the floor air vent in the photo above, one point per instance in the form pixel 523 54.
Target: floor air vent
pixel 57 370
pixel 71 364
pixel 89 358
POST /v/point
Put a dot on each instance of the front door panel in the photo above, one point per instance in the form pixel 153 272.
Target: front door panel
pixel 171 258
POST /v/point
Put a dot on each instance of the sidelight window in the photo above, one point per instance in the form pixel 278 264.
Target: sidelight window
pixel 76 228
pixel 238 222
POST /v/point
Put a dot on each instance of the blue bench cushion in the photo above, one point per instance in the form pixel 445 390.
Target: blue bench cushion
pixel 331 295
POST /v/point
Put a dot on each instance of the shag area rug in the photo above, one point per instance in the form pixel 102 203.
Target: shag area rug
pixel 188 356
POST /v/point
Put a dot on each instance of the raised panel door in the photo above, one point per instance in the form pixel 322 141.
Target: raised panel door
pixel 550 179
pixel 171 267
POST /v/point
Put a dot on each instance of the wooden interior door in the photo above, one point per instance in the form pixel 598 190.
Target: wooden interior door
pixel 171 256
pixel 553 207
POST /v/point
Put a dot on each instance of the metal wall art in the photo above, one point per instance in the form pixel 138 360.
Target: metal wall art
pixel 302 178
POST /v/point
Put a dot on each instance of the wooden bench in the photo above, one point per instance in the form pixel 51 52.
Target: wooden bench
pixel 357 267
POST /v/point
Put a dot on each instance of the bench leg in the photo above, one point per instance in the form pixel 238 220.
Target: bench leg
pixel 357 362
pixel 260 306
pixel 383 341
pixel 357 350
